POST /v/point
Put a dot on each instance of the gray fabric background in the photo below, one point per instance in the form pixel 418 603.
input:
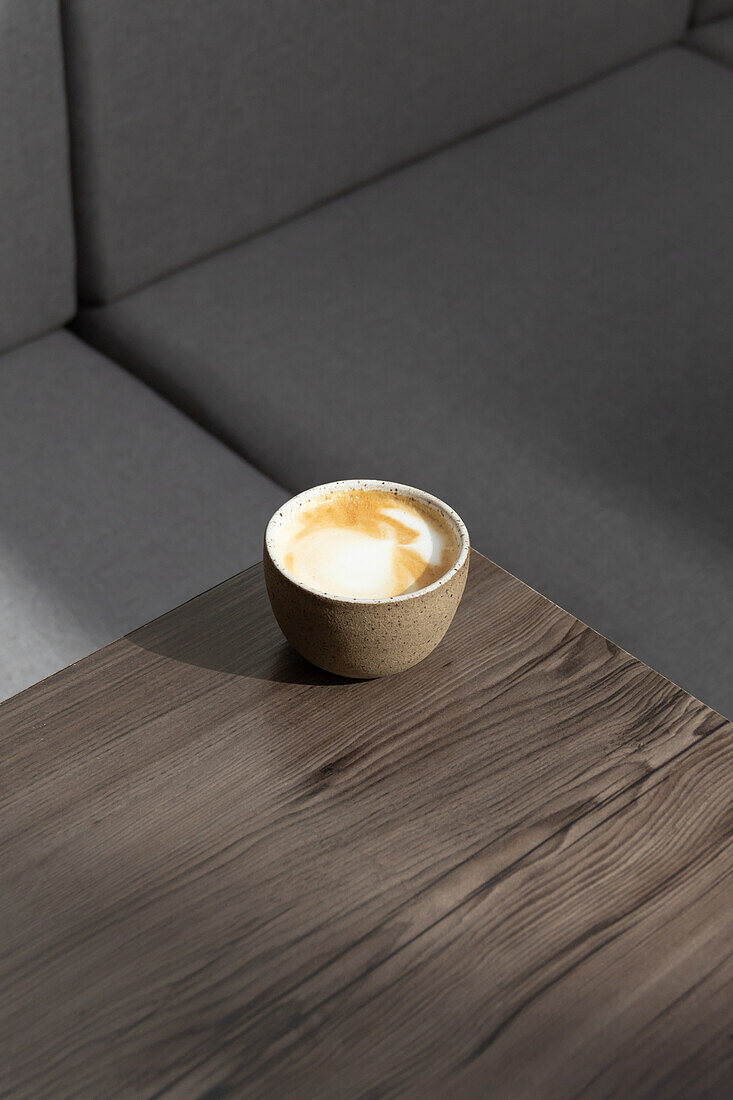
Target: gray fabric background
pixel 534 324
pixel 114 507
pixel 715 39
pixel 711 9
pixel 197 124
pixel 36 242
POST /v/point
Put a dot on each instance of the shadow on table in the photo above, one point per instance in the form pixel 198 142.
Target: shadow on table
pixel 231 629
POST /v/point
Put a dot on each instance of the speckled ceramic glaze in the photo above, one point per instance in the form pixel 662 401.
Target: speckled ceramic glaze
pixel 364 638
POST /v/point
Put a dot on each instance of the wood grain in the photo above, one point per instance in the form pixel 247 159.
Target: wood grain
pixel 508 872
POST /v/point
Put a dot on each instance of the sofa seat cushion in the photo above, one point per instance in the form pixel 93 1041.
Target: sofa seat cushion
pixel 715 39
pixel 115 507
pixel 534 324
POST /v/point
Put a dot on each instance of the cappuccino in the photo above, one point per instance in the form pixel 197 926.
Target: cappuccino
pixel 367 543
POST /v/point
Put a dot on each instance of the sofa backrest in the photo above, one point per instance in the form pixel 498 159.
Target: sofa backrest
pixel 711 9
pixel 36 230
pixel 196 124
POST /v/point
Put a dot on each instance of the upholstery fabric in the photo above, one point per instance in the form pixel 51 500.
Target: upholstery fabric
pixel 715 39
pixel 115 507
pixel 36 237
pixel 711 9
pixel 195 125
pixel 534 324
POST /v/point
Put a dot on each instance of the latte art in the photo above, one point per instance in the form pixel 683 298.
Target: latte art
pixel 367 543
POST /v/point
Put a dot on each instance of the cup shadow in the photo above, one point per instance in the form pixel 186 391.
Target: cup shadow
pixel 231 629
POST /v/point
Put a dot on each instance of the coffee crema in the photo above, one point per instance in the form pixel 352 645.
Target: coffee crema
pixel 367 544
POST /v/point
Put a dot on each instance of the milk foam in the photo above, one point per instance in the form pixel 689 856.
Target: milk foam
pixel 369 544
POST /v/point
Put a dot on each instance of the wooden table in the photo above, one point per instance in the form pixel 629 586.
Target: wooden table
pixel 506 873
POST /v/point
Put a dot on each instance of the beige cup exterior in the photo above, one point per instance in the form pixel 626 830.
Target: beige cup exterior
pixel 360 638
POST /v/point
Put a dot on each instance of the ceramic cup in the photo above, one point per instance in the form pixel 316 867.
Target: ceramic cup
pixel 356 637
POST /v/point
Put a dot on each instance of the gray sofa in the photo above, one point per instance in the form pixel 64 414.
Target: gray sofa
pixel 484 248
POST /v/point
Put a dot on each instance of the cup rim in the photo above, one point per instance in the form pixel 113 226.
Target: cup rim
pixel 461 531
